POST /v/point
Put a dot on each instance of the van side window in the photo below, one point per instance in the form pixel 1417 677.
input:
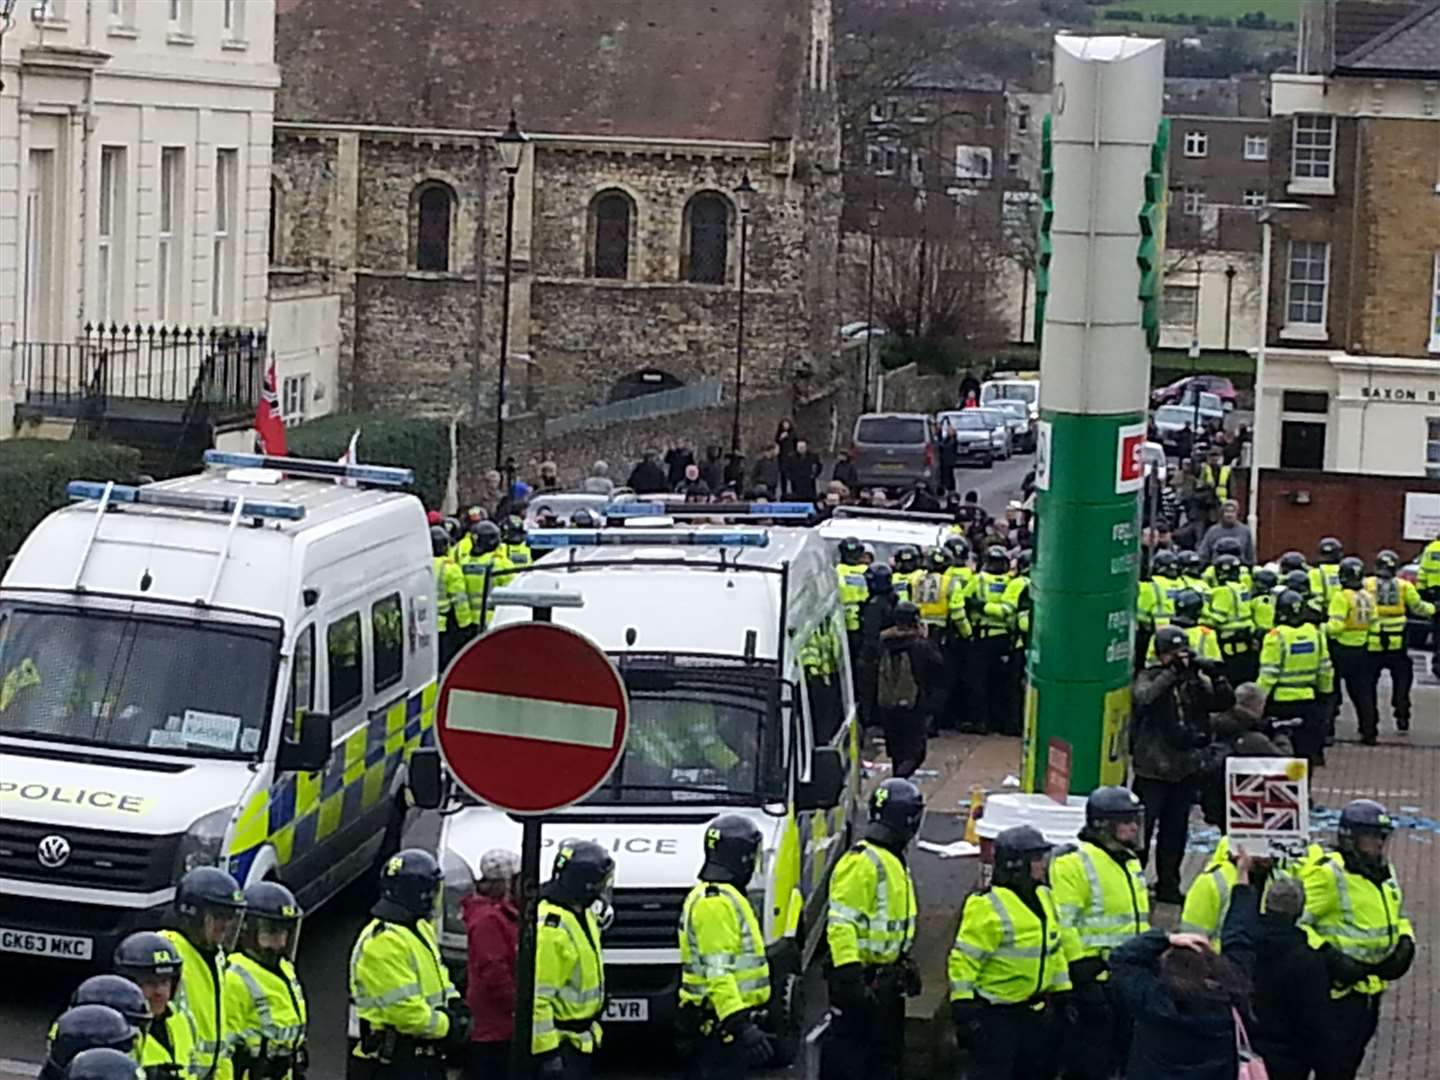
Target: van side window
pixel 343 647
pixel 302 675
pixel 387 627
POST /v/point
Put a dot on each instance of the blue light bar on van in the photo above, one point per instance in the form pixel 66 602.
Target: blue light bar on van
pixel 774 510
pixel 82 490
pixel 573 538
pixel 310 469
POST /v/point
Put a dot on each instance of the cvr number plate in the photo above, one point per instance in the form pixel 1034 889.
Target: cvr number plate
pixel 627 1010
pixel 38 943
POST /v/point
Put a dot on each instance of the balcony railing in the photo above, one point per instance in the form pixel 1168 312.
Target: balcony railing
pixel 222 368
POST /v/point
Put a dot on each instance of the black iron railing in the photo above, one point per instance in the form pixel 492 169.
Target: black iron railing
pixel 222 367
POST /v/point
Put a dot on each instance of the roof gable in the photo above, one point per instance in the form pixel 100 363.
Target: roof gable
pixel 1410 47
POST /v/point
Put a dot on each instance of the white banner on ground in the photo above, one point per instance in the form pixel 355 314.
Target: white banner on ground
pixel 1267 805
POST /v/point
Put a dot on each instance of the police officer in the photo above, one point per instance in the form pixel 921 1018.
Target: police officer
pixel 1228 545
pixel 1203 642
pixel 1006 961
pixel 956 640
pixel 1017 594
pixel 87 1027
pixel 869 931
pixel 1207 901
pixel 482 565
pixel 1394 599
pixel 569 966
pixel 1325 574
pixel 120 993
pixel 1231 617
pixel 1298 581
pixel 928 592
pixel 1353 901
pixel 1351 614
pixel 409 1012
pixel 209 904
pixel 1155 603
pixel 1292 560
pixel 725 978
pixel 515 543
pixel 154 964
pixel 907 569
pixel 454 617
pixel 102 1063
pixel 1295 672
pixel 992 626
pixel 853 592
pixel 264 1001
pixel 1101 900
pixel 1262 602
pixel 1428 582
pixel 1192 573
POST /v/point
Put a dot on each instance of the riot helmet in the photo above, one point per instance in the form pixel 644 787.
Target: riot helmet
pixel 878 578
pixel 1387 563
pixel 1364 828
pixel 409 883
pixel 1191 565
pixel 89 1027
pixel 512 530
pixel 1351 573
pixel 1266 580
pixel 851 551
pixel 153 963
pixel 1017 851
pixel 958 548
pixel 1290 608
pixel 486 537
pixel 1291 560
pixel 118 992
pixel 1164 564
pixel 907 560
pixel 1330 550
pixel 1228 545
pixel 583 876
pixel 1298 581
pixel 1115 819
pixel 271 931
pixel 732 846
pixel 439 541
pixel 937 560
pixel 103 1063
pixel 209 903
pixel 1227 570
pixel 896 810
pixel 1189 606
pixel 997 560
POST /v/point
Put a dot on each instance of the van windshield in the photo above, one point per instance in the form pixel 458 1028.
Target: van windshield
pixel 702 729
pixel 125 681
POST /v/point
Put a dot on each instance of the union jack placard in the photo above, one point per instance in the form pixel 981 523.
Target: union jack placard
pixel 1267 804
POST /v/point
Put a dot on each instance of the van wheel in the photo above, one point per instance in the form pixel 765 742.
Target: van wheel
pixel 787 1005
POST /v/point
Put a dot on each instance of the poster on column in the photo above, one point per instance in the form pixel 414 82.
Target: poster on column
pixel 1267 805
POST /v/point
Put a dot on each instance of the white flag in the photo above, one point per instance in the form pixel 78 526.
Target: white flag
pixel 350 457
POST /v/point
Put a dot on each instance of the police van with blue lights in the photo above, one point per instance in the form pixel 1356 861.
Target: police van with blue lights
pixel 730 638
pixel 230 668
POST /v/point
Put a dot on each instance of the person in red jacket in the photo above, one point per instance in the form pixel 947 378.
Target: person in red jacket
pixel 492 938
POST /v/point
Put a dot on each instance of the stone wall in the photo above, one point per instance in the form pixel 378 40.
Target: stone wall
pixel 414 345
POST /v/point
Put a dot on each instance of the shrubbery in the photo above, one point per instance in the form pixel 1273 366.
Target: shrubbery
pixel 385 439
pixel 33 475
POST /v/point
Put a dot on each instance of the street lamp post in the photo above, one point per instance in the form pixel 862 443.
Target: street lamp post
pixel 872 221
pixel 744 197
pixel 512 147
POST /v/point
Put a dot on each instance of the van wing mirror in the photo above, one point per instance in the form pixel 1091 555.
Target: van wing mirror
pixel 308 748
pixel 827 781
pixel 425 777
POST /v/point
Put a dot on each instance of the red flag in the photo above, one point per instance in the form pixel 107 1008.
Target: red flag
pixel 269 424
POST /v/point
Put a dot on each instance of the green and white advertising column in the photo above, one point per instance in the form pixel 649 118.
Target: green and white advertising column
pixel 1099 261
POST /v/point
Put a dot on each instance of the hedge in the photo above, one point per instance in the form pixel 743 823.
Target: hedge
pixel 385 439
pixel 33 475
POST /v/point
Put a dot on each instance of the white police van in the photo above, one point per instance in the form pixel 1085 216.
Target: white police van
pixel 229 668
pixel 736 633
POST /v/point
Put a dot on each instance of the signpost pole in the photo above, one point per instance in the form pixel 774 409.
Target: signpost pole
pixel 520 1059
pixel 1095 369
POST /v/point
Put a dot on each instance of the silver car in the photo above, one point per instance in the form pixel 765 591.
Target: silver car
pixel 999 421
pixel 974 438
pixel 1022 428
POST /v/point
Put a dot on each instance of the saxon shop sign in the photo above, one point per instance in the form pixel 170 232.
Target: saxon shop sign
pixel 1399 393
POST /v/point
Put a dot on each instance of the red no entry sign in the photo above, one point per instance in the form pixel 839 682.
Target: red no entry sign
pixel 532 717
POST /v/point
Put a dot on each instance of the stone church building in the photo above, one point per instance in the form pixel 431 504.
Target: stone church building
pixel 642 117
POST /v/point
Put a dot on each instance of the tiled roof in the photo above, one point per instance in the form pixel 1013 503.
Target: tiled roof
pixel 1410 47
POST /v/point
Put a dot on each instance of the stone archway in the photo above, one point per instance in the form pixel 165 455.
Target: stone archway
pixel 642 382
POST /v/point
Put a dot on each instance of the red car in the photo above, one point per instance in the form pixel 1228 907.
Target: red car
pixel 1219 385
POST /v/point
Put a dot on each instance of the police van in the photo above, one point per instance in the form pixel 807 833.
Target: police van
pixel 229 668
pixel 731 643
pixel 885 532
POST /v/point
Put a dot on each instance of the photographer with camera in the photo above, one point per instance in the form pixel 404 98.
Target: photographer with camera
pixel 1169 729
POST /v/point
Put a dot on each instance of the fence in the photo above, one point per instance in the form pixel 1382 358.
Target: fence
pixel 224 366
pixel 700 395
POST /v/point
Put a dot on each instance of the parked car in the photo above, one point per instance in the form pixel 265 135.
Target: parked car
pixel 1011 387
pixel 976 441
pixel 894 449
pixel 859 331
pixel 1177 391
pixel 1169 421
pixel 999 421
pixel 1022 428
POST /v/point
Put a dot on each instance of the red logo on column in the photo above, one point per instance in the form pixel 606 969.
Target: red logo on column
pixel 1130 459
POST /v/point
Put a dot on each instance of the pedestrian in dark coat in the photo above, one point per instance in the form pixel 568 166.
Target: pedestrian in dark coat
pixel 844 471
pixel 907 722
pixel 677 459
pixel 877 614
pixel 649 476
pixel 766 471
pixel 802 470
pixel 1184 997
pixel 713 471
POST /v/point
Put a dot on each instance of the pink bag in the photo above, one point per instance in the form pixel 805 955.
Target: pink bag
pixel 1252 1065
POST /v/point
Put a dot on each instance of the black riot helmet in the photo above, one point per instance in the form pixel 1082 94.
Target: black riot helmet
pixel 584 519
pixel 1228 545
pixel 453 529
pixel 1227 569
pixel 1110 806
pixel 851 551
pixel 1170 639
pixel 997 560
pixel 205 893
pixel 1291 560
pixel 409 883
pixel 878 578
pixel 732 844
pixel 1351 573
pixel 117 991
pixel 1164 564
pixel 1015 850
pixel 582 873
pixel 439 540
pixel 89 1027
pixel 896 810
pixel 937 560
pixel 146 955
pixel 907 560
pixel 486 537
pixel 1290 608
pixel 1363 817
pixel 1386 564
pixel 103 1063
pixel 1330 551
pixel 512 530
pixel 271 909
pixel 959 549
pixel 1266 580
pixel 1191 565
pixel 1298 581
pixel 1189 605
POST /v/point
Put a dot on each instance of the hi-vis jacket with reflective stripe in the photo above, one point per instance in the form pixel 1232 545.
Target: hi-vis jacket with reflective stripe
pixel 1362 919
pixel 202 984
pixel 1208 900
pixel 168 1051
pixel 1295 664
pixel 398 981
pixel 569 981
pixel 452 600
pixel 1101 901
pixel 854 591
pixel 994 611
pixel 722 951
pixel 1429 576
pixel 266 1008
pixel 1155 603
pixel 1004 953
pixel 872 907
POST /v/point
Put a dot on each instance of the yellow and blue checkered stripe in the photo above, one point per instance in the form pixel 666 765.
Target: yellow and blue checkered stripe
pixel 300 810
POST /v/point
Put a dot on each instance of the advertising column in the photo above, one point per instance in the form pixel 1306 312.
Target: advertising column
pixel 1101 288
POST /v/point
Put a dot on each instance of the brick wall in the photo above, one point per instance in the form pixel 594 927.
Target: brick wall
pixel 1365 512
